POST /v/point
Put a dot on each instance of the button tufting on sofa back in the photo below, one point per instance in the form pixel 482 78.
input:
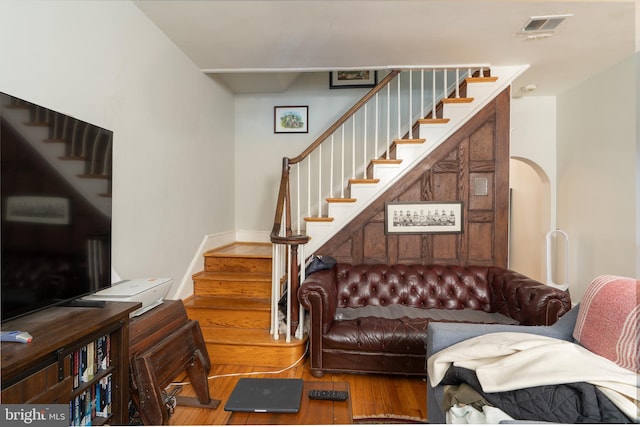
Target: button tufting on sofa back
pixel 424 286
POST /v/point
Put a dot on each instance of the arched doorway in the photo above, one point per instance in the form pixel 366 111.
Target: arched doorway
pixel 530 217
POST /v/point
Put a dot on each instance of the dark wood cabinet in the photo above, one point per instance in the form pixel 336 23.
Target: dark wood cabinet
pixel 43 370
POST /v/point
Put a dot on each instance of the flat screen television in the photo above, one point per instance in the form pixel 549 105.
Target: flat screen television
pixel 55 189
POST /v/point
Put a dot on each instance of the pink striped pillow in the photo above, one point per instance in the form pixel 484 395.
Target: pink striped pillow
pixel 608 320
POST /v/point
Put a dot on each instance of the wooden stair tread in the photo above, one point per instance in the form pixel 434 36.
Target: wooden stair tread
pixel 457 100
pixel 341 200
pixel 410 141
pixel 256 337
pixel 228 303
pixel 318 219
pixel 433 121
pixel 364 181
pixel 232 276
pixel 481 79
pixel 386 161
pixel 242 250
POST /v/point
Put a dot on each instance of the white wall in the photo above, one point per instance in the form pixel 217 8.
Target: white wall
pixel 533 137
pixel 259 151
pixel 596 175
pixel 105 63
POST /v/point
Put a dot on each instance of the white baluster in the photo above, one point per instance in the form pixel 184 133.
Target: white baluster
pixel 388 116
pixel 319 180
pixel 298 197
pixel 375 154
pixel 446 92
pixel 331 166
pixel 398 136
pixel 364 137
pixel 275 291
pixel 353 146
pixel 288 320
pixel 309 186
pixel 301 261
pixel 422 114
pixel 342 164
pixel 434 113
pixel 410 103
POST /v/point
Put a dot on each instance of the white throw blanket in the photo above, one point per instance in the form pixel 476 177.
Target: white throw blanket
pixel 506 361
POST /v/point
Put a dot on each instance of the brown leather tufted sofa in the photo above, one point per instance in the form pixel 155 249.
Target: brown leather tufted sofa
pixel 380 344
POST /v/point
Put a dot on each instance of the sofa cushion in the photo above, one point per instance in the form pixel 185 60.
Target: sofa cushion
pixel 400 334
pixel 608 320
pixel 397 311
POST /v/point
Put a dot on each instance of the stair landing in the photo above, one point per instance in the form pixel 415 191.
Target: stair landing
pixel 231 302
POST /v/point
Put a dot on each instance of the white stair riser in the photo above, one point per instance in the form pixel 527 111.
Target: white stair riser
pixel 480 90
pixel 338 211
pixel 382 171
pixel 409 152
pixel 318 230
pixel 434 132
pixel 363 192
pixel 457 112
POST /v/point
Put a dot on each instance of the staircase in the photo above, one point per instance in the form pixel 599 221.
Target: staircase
pixel 377 142
pixel 415 140
pixel 231 301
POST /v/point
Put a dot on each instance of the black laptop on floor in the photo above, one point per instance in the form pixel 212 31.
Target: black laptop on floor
pixel 281 395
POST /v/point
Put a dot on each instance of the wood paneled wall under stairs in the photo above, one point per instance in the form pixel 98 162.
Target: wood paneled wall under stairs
pixel 231 301
pixel 477 152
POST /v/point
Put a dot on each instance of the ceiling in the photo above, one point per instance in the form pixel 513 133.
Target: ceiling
pixel 262 45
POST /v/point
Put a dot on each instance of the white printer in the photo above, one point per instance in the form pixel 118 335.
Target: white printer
pixel 151 292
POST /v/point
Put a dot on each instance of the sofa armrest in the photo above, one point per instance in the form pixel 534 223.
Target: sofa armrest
pixel 526 300
pixel 318 294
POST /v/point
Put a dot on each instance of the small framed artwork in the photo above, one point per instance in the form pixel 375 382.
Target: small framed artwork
pixel 349 79
pixel 422 217
pixel 291 119
pixel 37 209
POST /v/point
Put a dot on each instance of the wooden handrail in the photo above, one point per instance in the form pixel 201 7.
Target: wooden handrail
pixel 346 116
pixel 283 191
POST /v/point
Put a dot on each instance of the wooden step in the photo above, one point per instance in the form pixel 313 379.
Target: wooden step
pixel 340 200
pixel 386 161
pixel 481 79
pixel 318 219
pixel 440 121
pixel 240 258
pixel 363 181
pixel 409 141
pixel 219 312
pixel 231 284
pixel 457 100
pixel 232 303
pixel 241 347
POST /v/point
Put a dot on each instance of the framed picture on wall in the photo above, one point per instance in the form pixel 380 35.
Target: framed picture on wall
pixel 422 217
pixel 291 119
pixel 353 78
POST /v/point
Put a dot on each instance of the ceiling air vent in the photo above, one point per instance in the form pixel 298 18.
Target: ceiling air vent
pixel 542 26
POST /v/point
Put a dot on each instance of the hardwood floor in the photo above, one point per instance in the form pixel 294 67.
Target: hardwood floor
pixel 372 396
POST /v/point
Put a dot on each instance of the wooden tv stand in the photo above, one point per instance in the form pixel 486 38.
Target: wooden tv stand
pixel 42 371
